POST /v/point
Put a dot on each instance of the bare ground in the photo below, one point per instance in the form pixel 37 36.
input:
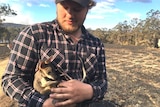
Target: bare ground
pixel 133 76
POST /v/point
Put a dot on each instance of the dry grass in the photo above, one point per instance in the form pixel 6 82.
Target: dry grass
pixel 3 64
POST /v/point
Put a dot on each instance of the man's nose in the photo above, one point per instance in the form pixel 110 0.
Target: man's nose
pixel 70 12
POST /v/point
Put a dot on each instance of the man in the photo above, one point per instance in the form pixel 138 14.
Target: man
pixel 66 39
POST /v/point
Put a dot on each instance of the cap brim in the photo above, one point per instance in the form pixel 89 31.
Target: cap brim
pixel 83 3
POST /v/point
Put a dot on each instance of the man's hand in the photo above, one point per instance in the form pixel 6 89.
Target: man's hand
pixel 48 103
pixel 71 92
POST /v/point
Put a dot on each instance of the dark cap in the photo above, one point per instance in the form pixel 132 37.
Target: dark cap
pixel 83 3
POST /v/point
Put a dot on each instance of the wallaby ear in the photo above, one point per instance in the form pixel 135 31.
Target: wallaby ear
pixel 49 60
pixel 41 65
pixel 44 64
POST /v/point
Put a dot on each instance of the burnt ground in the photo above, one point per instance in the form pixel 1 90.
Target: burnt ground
pixel 133 76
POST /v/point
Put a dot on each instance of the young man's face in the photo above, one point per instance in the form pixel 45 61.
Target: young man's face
pixel 70 16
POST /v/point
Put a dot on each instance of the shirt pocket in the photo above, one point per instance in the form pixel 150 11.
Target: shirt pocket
pixel 56 55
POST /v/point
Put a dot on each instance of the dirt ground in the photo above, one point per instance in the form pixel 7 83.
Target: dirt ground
pixel 133 76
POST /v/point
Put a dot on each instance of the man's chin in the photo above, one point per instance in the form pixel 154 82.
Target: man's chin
pixel 70 30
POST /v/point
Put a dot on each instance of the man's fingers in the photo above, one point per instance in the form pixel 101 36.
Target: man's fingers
pixel 60 96
pixel 59 90
pixel 64 103
pixel 62 100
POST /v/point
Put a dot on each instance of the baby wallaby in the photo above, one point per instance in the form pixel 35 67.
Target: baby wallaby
pixel 45 78
pixel 49 75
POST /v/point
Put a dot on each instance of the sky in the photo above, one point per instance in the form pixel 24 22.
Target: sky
pixel 106 13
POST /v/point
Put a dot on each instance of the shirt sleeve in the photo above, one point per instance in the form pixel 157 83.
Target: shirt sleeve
pixel 18 78
pixel 100 80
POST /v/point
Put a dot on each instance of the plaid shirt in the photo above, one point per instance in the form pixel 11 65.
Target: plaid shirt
pixel 39 42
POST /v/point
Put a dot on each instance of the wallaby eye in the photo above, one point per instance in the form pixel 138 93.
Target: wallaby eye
pixel 50 72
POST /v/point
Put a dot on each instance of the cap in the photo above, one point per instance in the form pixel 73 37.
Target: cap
pixel 83 3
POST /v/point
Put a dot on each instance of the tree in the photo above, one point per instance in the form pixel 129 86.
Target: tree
pixel 137 32
pixel 5 10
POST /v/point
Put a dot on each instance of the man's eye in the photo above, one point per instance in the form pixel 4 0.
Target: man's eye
pixel 65 7
pixel 77 9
